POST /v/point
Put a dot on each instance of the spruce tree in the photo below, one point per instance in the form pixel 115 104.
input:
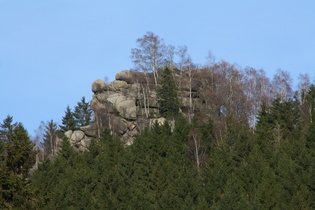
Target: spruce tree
pixel 18 148
pixel 50 138
pixel 307 162
pixel 17 156
pixel 6 129
pixel 21 153
pixel 82 113
pixel 111 179
pixel 167 95
pixel 68 121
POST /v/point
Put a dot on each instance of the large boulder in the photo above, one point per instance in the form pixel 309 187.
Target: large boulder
pixel 125 107
pixel 119 84
pixel 98 86
pixel 85 142
pixel 96 105
pixel 116 99
pixel 68 134
pixel 119 125
pixel 125 75
pixel 102 96
pixel 130 77
pixel 90 130
pixel 77 136
pixel 78 140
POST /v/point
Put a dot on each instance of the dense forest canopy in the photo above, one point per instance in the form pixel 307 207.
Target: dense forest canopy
pixel 253 149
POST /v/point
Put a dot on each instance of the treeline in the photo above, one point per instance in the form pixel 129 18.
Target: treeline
pixel 223 88
pixel 188 167
pixel 20 154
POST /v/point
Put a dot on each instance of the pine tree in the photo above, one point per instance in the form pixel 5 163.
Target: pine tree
pixel 167 94
pixel 82 113
pixel 68 121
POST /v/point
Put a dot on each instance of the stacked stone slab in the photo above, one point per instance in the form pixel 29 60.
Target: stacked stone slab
pixel 119 106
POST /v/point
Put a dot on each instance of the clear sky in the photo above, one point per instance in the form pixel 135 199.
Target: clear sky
pixel 52 51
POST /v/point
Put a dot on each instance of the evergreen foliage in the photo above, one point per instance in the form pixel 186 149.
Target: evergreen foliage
pixel 50 138
pixel 68 121
pixel 20 152
pixel 167 95
pixel 81 116
pixel 82 113
pixel 17 157
pixel 206 164
pixel 241 170
pixel 216 161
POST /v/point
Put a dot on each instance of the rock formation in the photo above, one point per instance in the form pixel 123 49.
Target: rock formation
pixel 127 106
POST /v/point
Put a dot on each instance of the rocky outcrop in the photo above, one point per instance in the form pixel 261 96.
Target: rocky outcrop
pixel 79 140
pixel 126 106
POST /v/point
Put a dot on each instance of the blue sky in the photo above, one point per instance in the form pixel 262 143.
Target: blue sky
pixel 52 51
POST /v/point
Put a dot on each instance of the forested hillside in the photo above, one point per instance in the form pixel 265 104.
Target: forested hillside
pixel 232 139
pixel 189 167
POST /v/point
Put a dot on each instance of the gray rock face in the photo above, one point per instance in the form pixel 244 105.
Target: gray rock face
pixel 125 75
pixel 124 106
pixel 119 84
pixel 98 86
pixel 119 105
pixel 127 106
pixel 130 77
pixel 90 130
pixel 68 134
pixel 77 136
pixel 78 140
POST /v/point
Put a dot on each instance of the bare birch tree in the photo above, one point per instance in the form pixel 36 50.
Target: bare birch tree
pixel 150 54
pixel 197 148
pixel 264 88
pixel 182 64
pixel 169 56
pixel 281 84
pixel 149 57
pixel 304 84
pixel 190 76
pixel 210 63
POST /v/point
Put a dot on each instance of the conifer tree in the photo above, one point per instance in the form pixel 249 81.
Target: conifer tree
pixel 67 151
pixel 307 162
pixel 68 121
pixel 21 153
pixel 16 159
pixel 50 139
pixel 110 185
pixel 82 113
pixel 6 129
pixel 167 95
